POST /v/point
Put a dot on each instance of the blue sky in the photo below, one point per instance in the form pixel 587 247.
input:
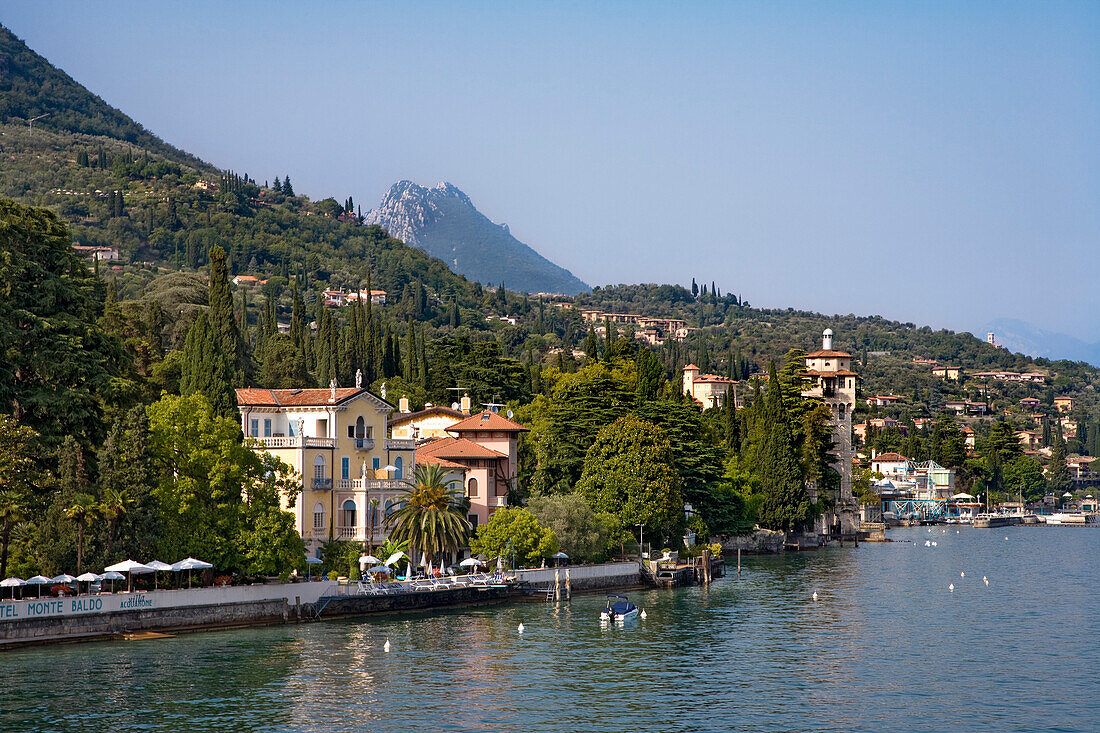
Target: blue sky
pixel 931 162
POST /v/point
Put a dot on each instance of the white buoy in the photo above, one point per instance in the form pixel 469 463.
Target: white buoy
pixel 951 587
pixel 814 596
pixel 935 544
pixel 956 531
pixel 1006 539
pixel 985 580
pixel 386 646
pixel 520 628
pixel 927 543
pixel 642 614
pixel 962 575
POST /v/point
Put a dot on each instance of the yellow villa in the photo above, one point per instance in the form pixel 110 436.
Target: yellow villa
pixel 337 440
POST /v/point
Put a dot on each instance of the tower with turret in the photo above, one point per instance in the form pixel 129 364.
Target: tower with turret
pixel 834 383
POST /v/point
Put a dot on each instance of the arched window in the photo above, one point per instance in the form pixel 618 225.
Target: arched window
pixel 471 488
pixel 398 464
pixel 391 505
pixel 360 428
pixel 319 467
pixel 318 516
pixel 349 513
pixel 841 406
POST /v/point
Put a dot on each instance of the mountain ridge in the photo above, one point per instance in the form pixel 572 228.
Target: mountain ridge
pixel 443 221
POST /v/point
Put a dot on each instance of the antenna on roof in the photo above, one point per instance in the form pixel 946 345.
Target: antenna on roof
pixel 494 405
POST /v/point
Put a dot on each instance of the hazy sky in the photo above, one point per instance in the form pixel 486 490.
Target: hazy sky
pixel 931 162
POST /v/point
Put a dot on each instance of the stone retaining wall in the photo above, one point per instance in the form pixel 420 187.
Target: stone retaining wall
pixel 587 577
pixel 762 541
pixel 106 625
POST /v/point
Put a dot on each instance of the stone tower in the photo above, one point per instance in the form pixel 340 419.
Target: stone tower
pixel 835 385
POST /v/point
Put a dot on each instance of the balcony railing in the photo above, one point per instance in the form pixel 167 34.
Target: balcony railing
pixel 351 533
pixel 321 484
pixel 400 444
pixel 500 501
pixel 279 441
pixel 364 444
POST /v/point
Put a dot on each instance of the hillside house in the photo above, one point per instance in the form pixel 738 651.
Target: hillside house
pixel 709 390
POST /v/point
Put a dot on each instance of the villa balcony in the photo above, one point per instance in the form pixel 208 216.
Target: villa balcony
pixel 320 484
pixel 400 444
pixel 499 501
pixel 280 441
pixel 364 444
pixel 351 533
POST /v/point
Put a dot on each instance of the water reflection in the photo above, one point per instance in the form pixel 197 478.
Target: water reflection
pixel 886 645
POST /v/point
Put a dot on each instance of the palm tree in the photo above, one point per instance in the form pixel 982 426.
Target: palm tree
pixel 431 516
pixel 13 509
pixel 370 521
pixel 116 502
pixel 82 509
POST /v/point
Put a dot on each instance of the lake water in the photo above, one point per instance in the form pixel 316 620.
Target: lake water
pixel 886 646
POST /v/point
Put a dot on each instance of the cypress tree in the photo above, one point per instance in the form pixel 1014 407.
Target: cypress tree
pixel 206 368
pixel 591 346
pixel 223 324
pixel 411 369
pixel 786 505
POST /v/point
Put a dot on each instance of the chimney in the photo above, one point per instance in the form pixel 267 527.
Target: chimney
pixel 403 404
pixel 874 453
pixel 827 340
pixel 466 403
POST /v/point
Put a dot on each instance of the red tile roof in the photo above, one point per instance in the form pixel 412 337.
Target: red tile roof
pixel 257 397
pixel 441 462
pixel 890 457
pixel 454 448
pixel 838 373
pixel 691 366
pixel 829 353
pixel 487 421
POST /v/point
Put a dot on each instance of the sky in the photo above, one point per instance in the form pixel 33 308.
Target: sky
pixel 933 162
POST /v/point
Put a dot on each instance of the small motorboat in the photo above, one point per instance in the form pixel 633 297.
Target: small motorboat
pixel 619 608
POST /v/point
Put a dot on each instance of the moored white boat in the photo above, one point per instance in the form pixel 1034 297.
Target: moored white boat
pixel 619 608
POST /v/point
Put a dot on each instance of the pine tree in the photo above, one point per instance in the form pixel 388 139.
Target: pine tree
pixel 287 188
pixel 278 186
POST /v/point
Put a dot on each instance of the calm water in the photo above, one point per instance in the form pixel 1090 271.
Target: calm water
pixel 886 646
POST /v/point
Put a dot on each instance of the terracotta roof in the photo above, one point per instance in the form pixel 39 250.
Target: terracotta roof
pixel 838 373
pixel 890 457
pixel 713 378
pixel 826 353
pixel 454 448
pixel 691 366
pixel 400 417
pixel 441 462
pixel 294 397
pixel 487 421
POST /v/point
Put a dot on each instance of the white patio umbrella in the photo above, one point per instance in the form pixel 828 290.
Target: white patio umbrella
pixel 369 560
pixel 12 583
pixel 89 578
pixel 394 558
pixel 379 569
pixel 113 575
pixel 39 580
pixel 190 564
pixel 65 579
pixel 131 568
pixel 471 562
pixel 157 566
pixel 311 560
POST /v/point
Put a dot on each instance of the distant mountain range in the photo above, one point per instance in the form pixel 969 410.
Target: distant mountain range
pixel 444 223
pixel 1025 338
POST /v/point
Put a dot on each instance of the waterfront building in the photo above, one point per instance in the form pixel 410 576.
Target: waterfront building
pixel 337 440
pixel 482 452
pixel 709 390
pixel 834 383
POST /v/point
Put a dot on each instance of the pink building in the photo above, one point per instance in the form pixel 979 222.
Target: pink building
pixel 484 454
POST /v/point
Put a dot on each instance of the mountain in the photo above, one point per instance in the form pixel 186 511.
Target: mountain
pixel 1025 338
pixel 118 185
pixel 444 223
